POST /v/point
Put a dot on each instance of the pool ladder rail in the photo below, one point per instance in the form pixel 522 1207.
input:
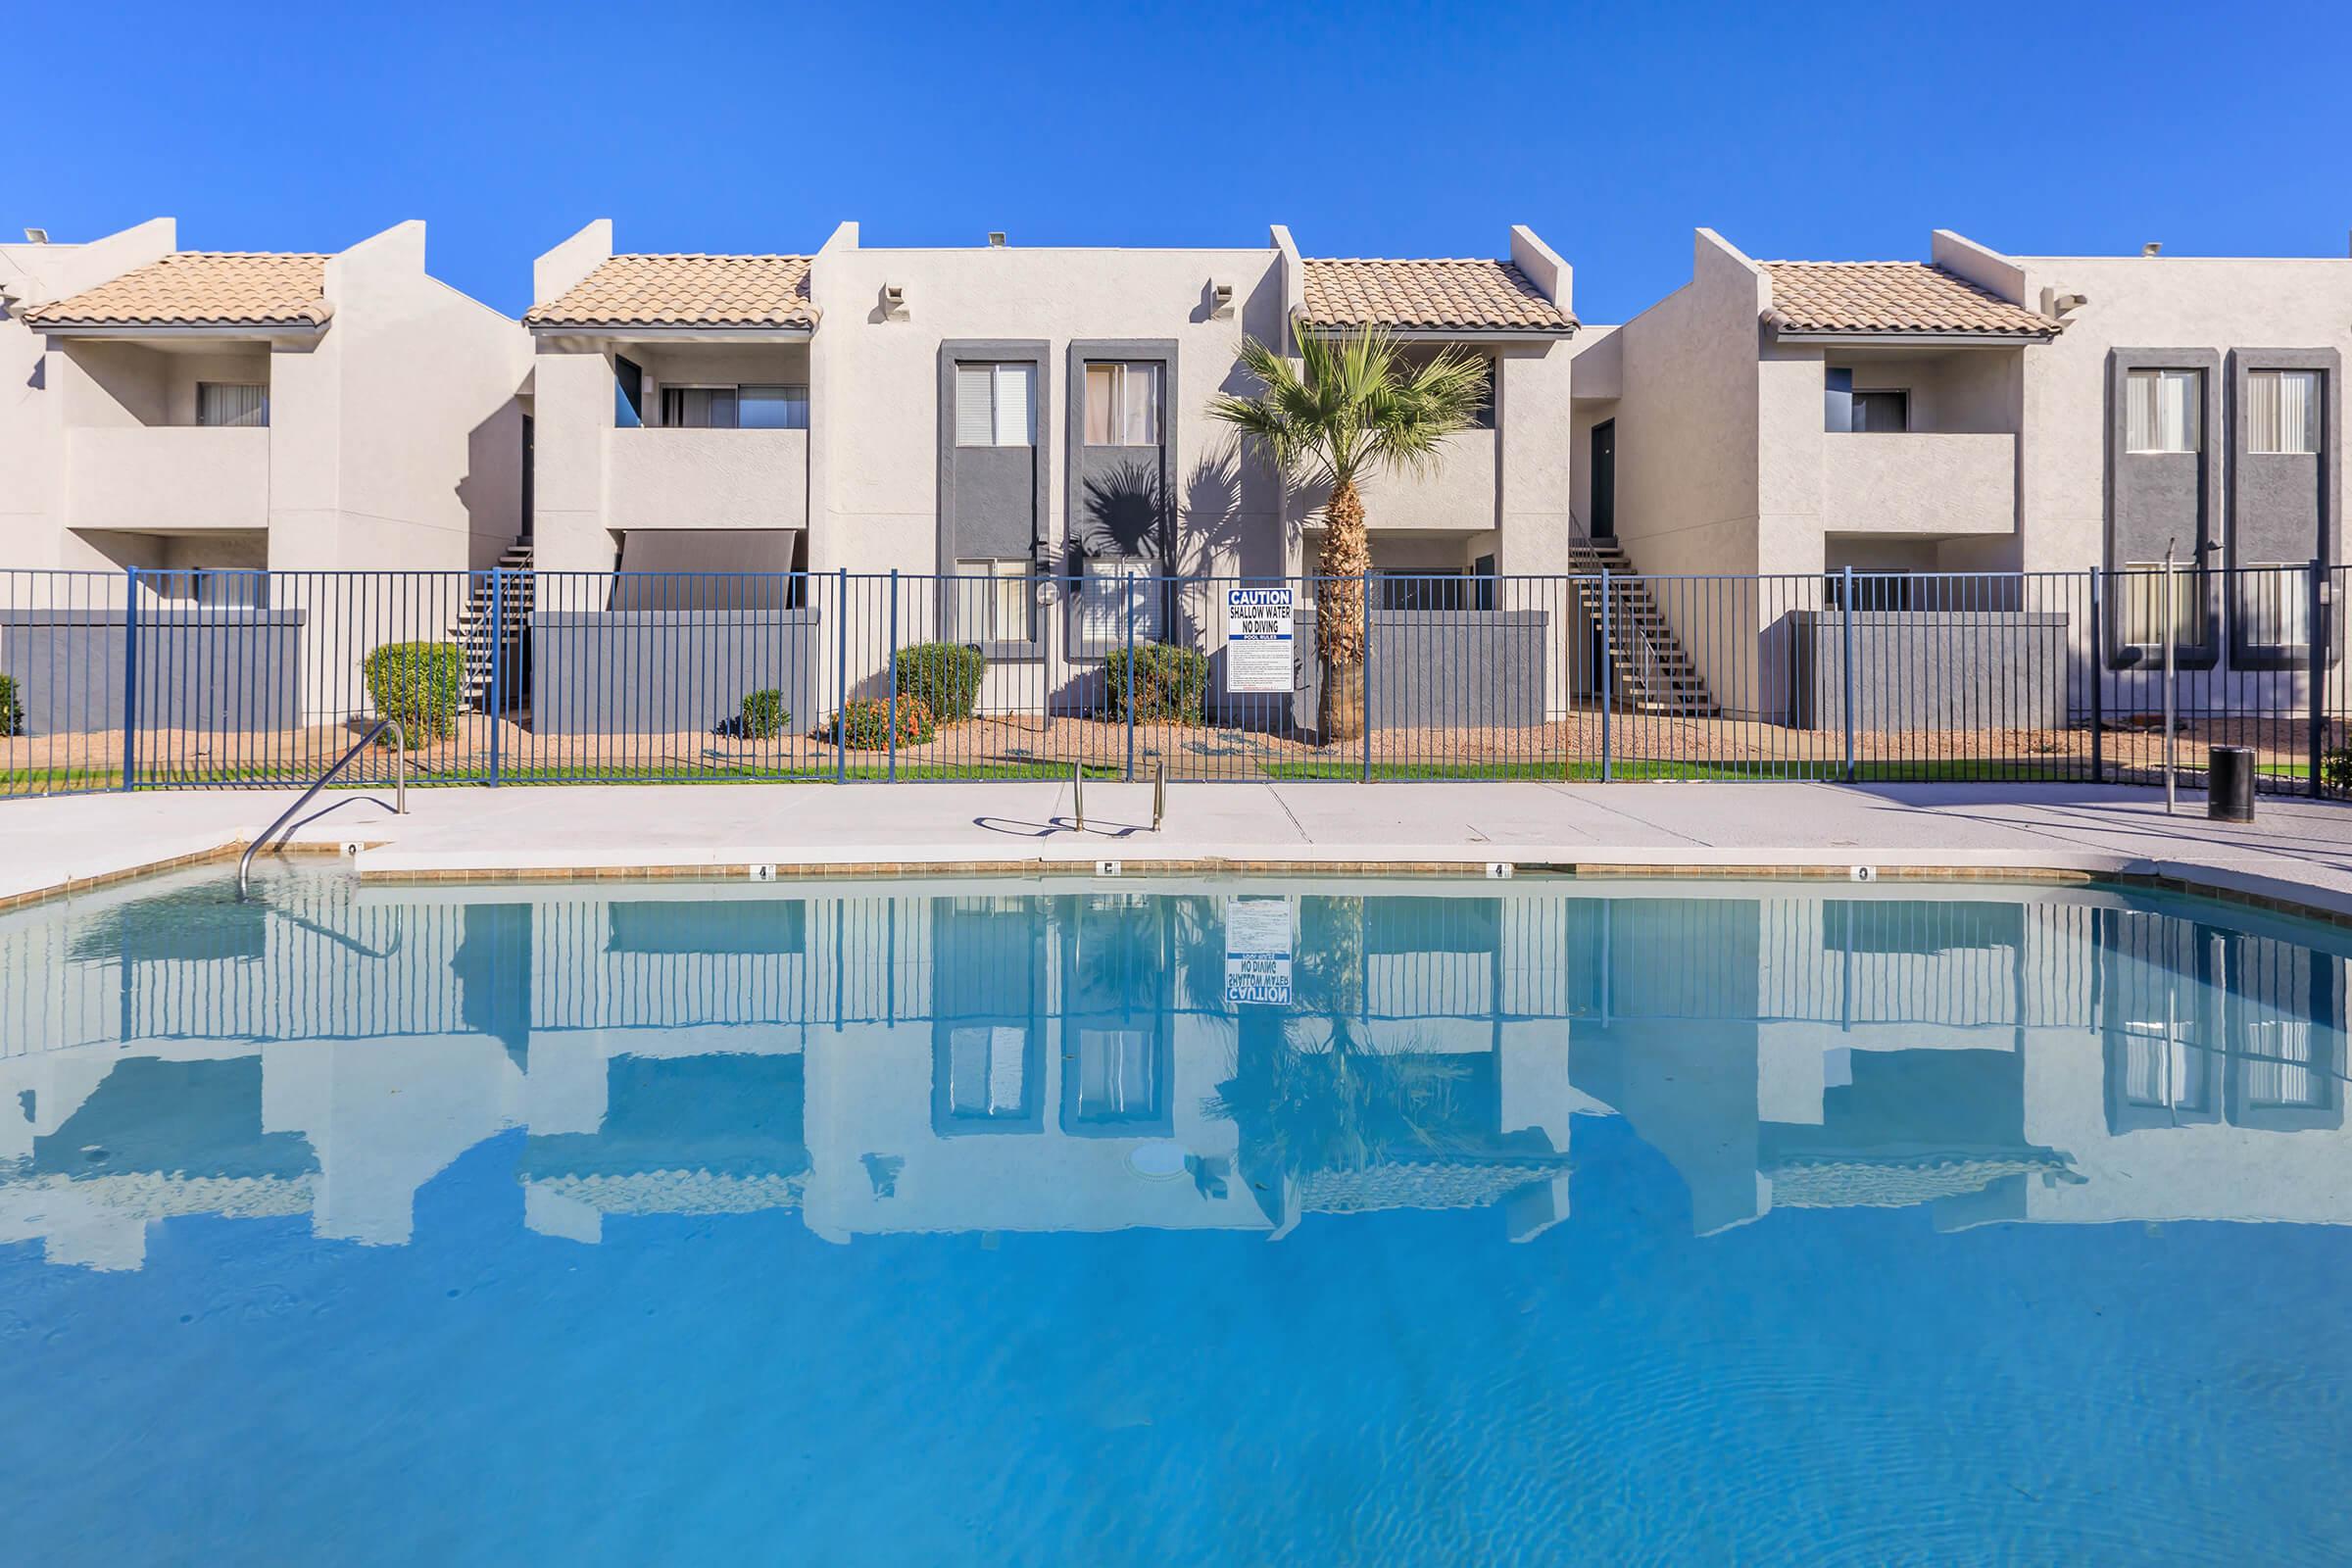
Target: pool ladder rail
pixel 400 792
pixel 1159 795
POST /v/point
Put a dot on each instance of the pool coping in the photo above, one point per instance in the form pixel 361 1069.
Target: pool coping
pixel 2240 888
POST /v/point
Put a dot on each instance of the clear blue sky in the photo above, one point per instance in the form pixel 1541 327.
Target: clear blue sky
pixel 1828 130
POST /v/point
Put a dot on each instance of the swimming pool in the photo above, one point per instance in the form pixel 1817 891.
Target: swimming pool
pixel 1171 1222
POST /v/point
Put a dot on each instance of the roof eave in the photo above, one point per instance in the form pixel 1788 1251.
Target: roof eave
pixel 639 333
pixel 193 329
pixel 1443 334
pixel 1846 338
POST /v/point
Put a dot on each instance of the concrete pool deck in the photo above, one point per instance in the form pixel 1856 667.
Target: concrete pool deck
pixel 2297 855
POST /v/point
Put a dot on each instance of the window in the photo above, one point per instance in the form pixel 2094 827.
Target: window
pixel 1482 417
pixel 735 408
pixel 996 404
pixel 231 403
pixel 1882 412
pixel 993 601
pixel 2282 410
pixel 1111 591
pixel 1116 1082
pixel 2274 605
pixel 2139 602
pixel 2162 409
pixel 988 1072
pixel 1122 404
pixel 1423 588
pixel 771 407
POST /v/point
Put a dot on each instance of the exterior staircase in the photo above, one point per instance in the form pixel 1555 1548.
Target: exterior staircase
pixel 490 632
pixel 1649 672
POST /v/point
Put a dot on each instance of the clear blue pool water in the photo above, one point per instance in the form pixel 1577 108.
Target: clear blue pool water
pixel 1235 1223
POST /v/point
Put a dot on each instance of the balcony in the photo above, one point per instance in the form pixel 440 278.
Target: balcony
pixel 1919 482
pixel 1457 495
pixel 706 478
pixel 171 479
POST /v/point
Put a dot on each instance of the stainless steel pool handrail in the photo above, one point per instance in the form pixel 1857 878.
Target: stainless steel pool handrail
pixel 400 790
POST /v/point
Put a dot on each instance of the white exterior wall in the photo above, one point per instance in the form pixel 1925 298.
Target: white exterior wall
pixel 874 394
pixel 394 439
pixel 2141 303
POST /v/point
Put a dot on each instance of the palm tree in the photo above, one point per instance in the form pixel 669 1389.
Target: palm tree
pixel 1353 406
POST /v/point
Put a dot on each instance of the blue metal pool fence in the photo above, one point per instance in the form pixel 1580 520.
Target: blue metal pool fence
pixel 144 679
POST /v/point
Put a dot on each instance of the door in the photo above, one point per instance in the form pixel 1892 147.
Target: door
pixel 1604 479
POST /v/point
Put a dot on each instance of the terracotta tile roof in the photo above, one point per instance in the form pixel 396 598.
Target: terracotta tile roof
pixel 685 291
pixel 1427 296
pixel 202 288
pixel 1892 297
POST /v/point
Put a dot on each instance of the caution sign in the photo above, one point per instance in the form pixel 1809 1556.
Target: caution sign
pixel 1260 632
pixel 1257 952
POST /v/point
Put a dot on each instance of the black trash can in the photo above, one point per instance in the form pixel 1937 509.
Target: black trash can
pixel 2229 784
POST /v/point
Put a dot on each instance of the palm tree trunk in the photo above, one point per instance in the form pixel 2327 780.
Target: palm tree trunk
pixel 1344 563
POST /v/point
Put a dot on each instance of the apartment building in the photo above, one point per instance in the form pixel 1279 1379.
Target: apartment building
pixel 1982 412
pixel 1029 420
pixel 180 409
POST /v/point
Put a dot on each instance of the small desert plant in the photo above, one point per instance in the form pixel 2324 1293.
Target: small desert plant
pixel 1168 682
pixel 2335 769
pixel 764 715
pixel 863 723
pixel 946 676
pixel 421 684
pixel 12 711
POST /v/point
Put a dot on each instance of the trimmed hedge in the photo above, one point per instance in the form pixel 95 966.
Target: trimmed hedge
pixel 863 723
pixel 1169 682
pixel 421 684
pixel 12 711
pixel 764 715
pixel 946 676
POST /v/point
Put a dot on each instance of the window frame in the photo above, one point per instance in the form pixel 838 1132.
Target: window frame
pixel 995 403
pixel 261 406
pixel 962 590
pixel 2155 375
pixel 735 391
pixel 1116 417
pixel 2314 432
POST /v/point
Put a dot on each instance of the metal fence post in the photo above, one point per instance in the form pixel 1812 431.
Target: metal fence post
pixel 130 678
pixel 1130 675
pixel 1363 668
pixel 2171 638
pixel 2099 676
pixel 2315 649
pixel 891 674
pixel 841 674
pixel 498 660
pixel 1608 674
pixel 1846 619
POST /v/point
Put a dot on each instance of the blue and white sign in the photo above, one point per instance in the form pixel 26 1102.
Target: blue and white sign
pixel 1257 952
pixel 1259 633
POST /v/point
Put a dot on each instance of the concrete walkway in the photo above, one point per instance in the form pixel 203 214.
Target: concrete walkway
pixel 2299 853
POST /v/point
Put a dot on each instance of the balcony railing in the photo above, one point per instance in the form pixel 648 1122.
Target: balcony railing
pixel 144 478
pixel 706 478
pixel 1919 482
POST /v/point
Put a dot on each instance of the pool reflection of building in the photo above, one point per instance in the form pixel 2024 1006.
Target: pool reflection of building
pixel 1022 1059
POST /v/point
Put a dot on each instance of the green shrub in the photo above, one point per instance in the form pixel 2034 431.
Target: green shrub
pixel 1168 683
pixel 944 676
pixel 421 684
pixel 12 711
pixel 863 723
pixel 2335 769
pixel 764 715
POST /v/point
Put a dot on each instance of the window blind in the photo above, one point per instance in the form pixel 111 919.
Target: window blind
pixel 230 403
pixel 2282 410
pixel 2161 410
pixel 1014 403
pixel 975 420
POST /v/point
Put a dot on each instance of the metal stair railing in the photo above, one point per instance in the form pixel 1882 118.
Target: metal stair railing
pixel 399 791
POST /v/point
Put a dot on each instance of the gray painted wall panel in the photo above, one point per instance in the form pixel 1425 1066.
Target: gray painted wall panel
pixel 232 670
pixel 623 672
pixel 1433 667
pixel 2156 496
pixel 1928 670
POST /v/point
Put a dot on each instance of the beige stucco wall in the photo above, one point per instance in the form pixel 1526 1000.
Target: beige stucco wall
pixel 715 480
pixel 31 422
pixel 134 477
pixel 1920 482
pixel 874 398
pixel 2139 303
